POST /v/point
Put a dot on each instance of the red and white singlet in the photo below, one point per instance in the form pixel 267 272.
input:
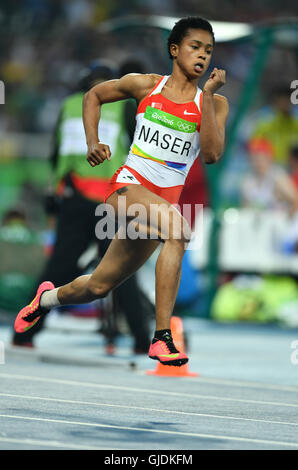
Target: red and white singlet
pixel 165 145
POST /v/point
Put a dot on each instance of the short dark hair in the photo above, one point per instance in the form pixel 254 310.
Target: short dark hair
pixel 181 27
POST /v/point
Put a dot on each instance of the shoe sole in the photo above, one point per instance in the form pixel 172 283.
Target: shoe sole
pixel 174 362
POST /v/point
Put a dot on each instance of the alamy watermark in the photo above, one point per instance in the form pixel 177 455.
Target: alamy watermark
pixel 2 92
pixel 294 94
pixel 152 221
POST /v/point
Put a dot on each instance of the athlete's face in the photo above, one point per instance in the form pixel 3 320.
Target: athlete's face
pixel 194 52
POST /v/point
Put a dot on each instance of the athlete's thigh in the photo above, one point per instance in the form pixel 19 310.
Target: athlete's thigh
pixel 155 215
pixel 123 258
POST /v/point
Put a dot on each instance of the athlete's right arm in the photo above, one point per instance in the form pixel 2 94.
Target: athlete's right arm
pixel 129 86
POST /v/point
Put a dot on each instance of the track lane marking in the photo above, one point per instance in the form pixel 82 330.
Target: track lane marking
pixel 243 383
pixel 148 391
pixel 111 405
pixel 44 443
pixel 158 431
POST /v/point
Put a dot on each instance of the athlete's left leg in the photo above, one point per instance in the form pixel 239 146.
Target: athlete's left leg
pixel 123 258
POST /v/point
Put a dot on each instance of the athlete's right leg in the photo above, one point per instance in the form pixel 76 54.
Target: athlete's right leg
pixel 157 217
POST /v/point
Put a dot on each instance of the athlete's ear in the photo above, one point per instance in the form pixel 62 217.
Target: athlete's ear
pixel 174 49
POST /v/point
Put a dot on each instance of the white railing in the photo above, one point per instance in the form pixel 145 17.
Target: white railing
pixel 249 240
pixel 20 145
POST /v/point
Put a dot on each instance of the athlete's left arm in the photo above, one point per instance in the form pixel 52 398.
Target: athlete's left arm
pixel 215 110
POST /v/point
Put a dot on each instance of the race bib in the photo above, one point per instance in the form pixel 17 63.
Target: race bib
pixel 164 137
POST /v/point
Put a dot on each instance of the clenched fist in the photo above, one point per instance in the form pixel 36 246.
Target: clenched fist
pixel 98 153
pixel 215 81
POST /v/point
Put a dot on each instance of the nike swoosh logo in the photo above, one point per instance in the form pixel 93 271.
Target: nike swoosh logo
pixel 172 356
pixel 192 114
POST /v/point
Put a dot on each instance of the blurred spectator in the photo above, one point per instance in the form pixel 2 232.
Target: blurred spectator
pixel 21 259
pixel 268 186
pixel 293 164
pixel 195 191
pixel 281 128
pixel 14 217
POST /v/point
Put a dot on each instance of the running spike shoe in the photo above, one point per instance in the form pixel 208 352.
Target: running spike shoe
pixel 166 353
pixel 30 314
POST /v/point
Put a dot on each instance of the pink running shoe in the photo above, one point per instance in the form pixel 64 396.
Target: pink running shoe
pixel 30 314
pixel 166 353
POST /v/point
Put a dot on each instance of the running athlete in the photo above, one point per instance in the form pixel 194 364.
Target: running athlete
pixel 176 122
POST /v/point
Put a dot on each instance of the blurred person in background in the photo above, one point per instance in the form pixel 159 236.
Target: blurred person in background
pixel 79 189
pixel 21 256
pixel 290 244
pixel 268 185
pixel 281 127
pixel 293 164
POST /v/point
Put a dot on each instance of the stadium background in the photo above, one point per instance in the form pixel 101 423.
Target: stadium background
pixel 45 44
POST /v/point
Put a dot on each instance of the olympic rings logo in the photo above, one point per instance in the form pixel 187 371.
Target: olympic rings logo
pixel 184 127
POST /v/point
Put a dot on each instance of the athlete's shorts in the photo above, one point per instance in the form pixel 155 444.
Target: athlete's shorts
pixel 126 175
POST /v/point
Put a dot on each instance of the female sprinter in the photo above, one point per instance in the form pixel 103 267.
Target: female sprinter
pixel 175 123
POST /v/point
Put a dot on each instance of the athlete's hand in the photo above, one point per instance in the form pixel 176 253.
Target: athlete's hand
pixel 98 153
pixel 215 81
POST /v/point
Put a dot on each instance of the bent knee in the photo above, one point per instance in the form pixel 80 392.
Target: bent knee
pixel 180 233
pixel 180 243
pixel 97 290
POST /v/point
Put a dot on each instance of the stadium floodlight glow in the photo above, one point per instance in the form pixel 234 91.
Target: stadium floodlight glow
pixel 224 31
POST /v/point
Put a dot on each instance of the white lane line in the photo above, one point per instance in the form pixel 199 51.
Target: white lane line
pixel 141 408
pixel 158 431
pixel 242 383
pixel 147 391
pixel 44 443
